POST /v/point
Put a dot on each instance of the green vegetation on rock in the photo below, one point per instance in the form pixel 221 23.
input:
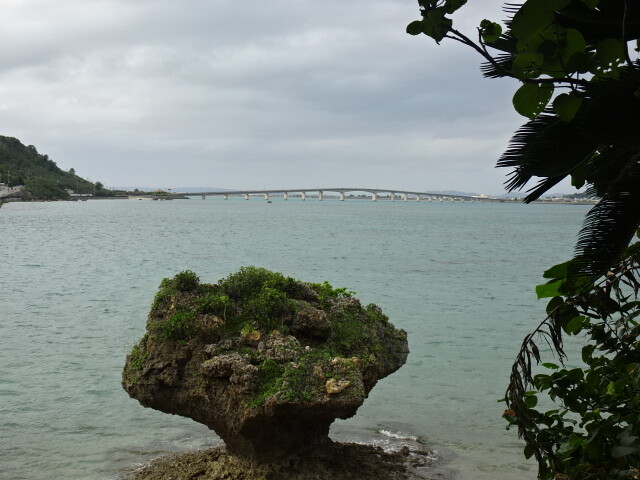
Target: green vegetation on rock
pixel 255 304
pixel 270 377
pixel 252 298
pixel 179 326
pixel 137 359
pixel 186 281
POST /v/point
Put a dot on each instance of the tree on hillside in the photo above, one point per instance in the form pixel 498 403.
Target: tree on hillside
pixel 580 88
pixel 39 173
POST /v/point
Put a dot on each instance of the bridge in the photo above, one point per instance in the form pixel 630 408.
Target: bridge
pixel 373 193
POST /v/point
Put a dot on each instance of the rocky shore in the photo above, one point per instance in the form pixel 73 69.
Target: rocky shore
pixel 334 461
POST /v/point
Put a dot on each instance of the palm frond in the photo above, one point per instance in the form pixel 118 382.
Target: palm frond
pixel 542 187
pixel 592 192
pixel 544 147
pixel 601 139
pixel 605 166
pixel 602 22
pixel 506 44
pixel 504 61
pixel 610 225
pixel 511 9
pixel 611 110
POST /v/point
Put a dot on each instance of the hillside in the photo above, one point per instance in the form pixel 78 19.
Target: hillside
pixel 23 165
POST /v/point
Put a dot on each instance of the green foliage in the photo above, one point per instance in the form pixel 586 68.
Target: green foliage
pixel 435 22
pixel 137 359
pixel 593 431
pixel 490 31
pixel 547 42
pixel 566 105
pixel 292 381
pixel 261 297
pixel 45 189
pixel 251 296
pixel 298 378
pixel 163 295
pixel 180 326
pixel 530 99
pixel 251 281
pixel 270 380
pixel 350 332
pixel 267 308
pixel 325 292
pixel 23 165
pixel 186 281
pixel 214 303
pixel 589 133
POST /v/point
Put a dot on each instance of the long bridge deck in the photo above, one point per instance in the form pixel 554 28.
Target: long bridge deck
pixel 319 193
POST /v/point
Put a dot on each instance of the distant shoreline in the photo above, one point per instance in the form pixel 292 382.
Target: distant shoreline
pixel 182 197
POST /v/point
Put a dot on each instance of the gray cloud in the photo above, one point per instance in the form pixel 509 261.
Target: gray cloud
pixel 257 94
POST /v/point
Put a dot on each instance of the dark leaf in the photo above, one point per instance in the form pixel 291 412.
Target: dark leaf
pixel 611 224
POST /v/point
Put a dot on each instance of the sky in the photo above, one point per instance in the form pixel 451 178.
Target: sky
pixel 253 95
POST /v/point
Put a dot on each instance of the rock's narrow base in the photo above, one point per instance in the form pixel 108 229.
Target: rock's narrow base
pixel 334 462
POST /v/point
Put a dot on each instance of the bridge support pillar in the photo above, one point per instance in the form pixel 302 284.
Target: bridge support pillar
pixel 374 196
pixel 393 197
pixel 266 196
pixel 342 196
pixel 246 196
pixel 417 198
pixel 226 197
pixel 286 195
pixel 304 195
pixel 404 197
pixel 320 195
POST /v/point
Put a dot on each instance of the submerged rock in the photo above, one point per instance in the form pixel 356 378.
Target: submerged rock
pixel 266 361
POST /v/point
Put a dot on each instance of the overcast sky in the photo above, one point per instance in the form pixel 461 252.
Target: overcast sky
pixel 272 94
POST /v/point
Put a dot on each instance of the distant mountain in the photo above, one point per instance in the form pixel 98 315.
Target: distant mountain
pixel 23 165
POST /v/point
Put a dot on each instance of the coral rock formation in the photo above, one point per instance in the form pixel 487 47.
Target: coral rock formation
pixel 266 361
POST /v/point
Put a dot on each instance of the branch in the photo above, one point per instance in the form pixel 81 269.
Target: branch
pixel 481 49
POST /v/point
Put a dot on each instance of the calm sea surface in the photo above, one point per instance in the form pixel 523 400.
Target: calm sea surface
pixel 77 280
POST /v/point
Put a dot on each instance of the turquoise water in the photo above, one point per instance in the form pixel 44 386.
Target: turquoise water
pixel 77 280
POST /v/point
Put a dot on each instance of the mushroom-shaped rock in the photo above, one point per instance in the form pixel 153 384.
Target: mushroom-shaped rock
pixel 266 361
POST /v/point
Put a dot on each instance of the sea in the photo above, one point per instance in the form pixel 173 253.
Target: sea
pixel 77 280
